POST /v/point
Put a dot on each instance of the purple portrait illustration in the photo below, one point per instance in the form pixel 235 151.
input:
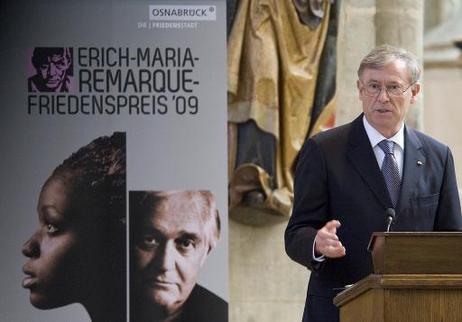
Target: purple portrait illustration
pixel 51 69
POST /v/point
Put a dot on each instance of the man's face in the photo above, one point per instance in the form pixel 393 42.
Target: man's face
pixel 53 70
pixel 170 249
pixel 384 111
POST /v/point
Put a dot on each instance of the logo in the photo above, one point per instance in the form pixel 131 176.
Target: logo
pixel 182 13
pixel 51 69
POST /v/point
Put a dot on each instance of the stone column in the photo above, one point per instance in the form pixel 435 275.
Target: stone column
pixel 355 39
pixel 439 11
pixel 400 23
pixel 434 13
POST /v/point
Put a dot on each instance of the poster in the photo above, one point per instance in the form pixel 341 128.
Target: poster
pixel 148 74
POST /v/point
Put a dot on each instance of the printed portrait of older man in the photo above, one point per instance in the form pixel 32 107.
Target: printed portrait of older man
pixel 53 66
pixel 171 235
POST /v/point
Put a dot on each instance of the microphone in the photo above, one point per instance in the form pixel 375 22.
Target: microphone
pixel 390 213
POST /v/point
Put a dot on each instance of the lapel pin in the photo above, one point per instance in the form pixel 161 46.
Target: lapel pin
pixel 419 163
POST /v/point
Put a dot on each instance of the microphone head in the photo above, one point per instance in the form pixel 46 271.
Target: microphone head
pixel 390 212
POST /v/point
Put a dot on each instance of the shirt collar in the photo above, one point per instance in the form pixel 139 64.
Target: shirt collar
pixel 375 136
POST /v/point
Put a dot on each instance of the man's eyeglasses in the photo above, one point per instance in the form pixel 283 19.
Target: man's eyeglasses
pixel 373 89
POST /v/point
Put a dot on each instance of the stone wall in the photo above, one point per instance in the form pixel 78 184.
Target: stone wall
pixel 443 112
pixel 265 285
pixel 443 79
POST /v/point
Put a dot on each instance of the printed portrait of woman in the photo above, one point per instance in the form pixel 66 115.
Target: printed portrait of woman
pixel 77 254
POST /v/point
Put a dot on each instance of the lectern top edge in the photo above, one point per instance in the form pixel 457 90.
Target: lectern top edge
pixel 411 233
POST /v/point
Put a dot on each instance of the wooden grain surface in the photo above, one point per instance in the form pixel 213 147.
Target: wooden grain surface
pixel 403 298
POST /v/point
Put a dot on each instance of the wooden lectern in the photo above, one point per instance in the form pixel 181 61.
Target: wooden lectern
pixel 417 278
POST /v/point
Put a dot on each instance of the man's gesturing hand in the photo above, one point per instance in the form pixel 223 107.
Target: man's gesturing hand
pixel 327 242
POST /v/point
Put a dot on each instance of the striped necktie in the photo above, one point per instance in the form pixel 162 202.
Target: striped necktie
pixel 390 170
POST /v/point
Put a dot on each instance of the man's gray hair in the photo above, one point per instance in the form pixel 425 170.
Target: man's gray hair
pixel 144 202
pixel 385 54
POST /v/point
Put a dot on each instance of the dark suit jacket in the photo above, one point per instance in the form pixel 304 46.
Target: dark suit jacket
pixel 201 306
pixel 337 177
pixel 204 306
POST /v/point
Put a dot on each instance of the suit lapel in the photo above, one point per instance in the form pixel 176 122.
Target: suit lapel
pixel 413 165
pixel 362 157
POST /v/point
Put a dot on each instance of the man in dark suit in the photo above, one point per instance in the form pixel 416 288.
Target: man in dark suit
pixel 346 179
